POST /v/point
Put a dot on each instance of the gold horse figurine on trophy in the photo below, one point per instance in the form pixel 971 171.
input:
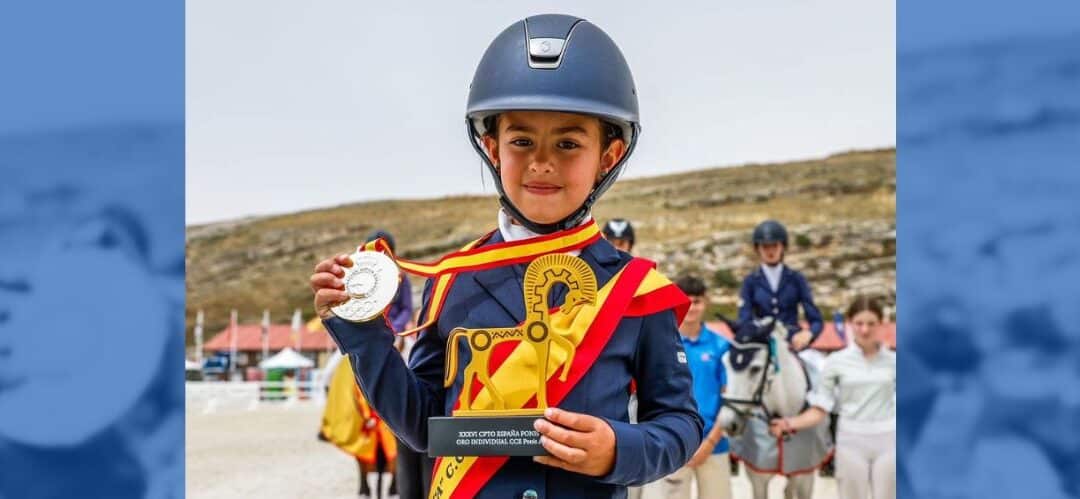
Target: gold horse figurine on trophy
pixel 540 277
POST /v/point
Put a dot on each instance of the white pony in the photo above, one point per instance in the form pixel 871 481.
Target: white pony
pixel 766 380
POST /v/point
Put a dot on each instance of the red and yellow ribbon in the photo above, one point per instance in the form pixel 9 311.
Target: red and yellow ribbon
pixel 473 257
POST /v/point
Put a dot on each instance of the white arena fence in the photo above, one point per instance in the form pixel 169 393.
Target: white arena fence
pixel 211 396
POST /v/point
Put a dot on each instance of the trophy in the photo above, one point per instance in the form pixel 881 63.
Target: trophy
pixel 494 422
pixel 371 283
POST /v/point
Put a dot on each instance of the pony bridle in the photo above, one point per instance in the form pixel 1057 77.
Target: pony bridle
pixel 757 400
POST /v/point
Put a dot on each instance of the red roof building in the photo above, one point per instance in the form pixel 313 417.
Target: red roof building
pixel 249 339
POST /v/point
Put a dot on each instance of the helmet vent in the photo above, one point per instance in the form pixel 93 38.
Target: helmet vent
pixel 546 52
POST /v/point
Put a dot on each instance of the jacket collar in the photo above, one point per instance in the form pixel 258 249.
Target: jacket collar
pixel 785 277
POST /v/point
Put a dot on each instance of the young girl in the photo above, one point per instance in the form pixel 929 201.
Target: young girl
pixel 859 383
pixel 553 112
pixel 776 290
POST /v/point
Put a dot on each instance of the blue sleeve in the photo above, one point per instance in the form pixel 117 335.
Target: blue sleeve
pixel 405 398
pixel 813 315
pixel 669 427
pixel 746 305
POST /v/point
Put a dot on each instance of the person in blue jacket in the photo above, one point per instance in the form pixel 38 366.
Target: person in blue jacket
pixel 401 309
pixel 710 466
pixel 413 472
pixel 413 469
pixel 774 289
pixel 553 112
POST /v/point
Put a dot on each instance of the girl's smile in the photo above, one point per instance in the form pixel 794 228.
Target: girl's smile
pixel 542 188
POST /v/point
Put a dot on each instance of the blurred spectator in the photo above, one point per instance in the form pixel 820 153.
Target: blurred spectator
pixel 620 233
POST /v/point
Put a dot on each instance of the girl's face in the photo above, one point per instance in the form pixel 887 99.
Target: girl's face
pixel 770 253
pixel 865 325
pixel 549 162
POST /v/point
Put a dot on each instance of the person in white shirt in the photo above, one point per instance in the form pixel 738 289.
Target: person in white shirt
pixel 859 383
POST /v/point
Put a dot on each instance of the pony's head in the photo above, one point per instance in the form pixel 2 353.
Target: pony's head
pixel 751 364
pixel 751 347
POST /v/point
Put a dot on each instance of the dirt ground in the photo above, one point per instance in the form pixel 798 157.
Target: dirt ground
pixel 271 451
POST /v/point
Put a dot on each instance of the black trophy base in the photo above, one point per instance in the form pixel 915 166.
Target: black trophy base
pixel 484 436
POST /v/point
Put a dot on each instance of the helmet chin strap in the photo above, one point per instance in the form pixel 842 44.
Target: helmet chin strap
pixel 572 220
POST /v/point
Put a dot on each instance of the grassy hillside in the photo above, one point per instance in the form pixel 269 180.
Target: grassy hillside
pixel 840 209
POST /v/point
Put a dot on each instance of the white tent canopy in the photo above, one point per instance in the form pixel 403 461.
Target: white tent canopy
pixel 286 359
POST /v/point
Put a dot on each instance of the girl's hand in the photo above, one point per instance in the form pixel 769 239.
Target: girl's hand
pixel 779 426
pixel 328 286
pixel 801 340
pixel 577 442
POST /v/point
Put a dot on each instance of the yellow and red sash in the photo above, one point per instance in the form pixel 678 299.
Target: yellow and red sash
pixel 472 257
pixel 637 290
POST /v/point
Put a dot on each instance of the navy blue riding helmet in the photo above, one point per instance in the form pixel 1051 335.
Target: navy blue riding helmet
pixel 554 62
pixel 770 231
pixel 619 228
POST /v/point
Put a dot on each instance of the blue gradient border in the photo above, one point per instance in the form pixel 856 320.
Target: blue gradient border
pixel 988 129
pixel 92 198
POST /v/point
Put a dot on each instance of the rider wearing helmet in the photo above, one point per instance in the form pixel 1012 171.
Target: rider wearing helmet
pixel 774 289
pixel 552 111
pixel 620 234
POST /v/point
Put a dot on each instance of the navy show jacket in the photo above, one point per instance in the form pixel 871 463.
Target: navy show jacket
pixel 758 300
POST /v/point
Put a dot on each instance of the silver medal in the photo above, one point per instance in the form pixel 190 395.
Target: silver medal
pixel 371 284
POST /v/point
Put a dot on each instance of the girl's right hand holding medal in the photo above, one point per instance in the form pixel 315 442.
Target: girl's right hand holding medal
pixel 328 286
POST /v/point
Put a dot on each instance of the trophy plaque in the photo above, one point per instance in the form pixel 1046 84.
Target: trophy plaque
pixel 494 423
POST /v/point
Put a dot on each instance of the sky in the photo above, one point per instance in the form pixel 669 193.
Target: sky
pixel 298 105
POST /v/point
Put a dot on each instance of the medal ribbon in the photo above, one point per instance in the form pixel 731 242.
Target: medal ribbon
pixel 472 257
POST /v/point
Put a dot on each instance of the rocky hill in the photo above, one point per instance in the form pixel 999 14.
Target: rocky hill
pixel 840 211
